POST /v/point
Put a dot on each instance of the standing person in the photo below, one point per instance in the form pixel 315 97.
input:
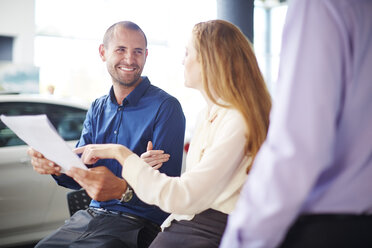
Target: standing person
pixel 311 182
pixel 220 63
pixel 133 113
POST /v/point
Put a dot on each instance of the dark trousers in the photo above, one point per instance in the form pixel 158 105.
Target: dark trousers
pixel 93 228
pixel 330 231
pixel 203 231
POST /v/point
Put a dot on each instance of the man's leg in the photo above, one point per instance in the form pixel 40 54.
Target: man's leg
pixel 108 230
pixel 91 228
pixel 69 232
pixel 147 235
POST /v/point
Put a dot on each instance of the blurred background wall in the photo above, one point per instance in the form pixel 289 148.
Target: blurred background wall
pixel 60 38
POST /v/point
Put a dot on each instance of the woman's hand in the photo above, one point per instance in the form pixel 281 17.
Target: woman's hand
pixel 154 158
pixel 90 154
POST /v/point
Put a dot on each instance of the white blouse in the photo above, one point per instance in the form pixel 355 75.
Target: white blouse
pixel 215 170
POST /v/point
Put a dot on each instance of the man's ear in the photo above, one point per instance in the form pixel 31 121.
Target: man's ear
pixel 102 52
pixel 147 53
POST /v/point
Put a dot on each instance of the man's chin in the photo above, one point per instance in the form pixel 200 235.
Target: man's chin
pixel 130 83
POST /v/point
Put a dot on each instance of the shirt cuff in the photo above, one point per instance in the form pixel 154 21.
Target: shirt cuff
pixel 131 169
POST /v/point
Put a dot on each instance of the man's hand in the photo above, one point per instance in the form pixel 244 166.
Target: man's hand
pixel 43 165
pixel 99 182
pixel 154 158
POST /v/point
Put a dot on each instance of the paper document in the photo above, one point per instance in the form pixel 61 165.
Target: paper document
pixel 40 134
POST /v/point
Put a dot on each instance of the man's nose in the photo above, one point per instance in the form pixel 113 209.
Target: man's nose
pixel 129 57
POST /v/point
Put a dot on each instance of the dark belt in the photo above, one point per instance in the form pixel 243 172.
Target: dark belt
pixel 98 211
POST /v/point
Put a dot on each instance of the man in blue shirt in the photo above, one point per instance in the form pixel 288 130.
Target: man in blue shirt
pixel 133 113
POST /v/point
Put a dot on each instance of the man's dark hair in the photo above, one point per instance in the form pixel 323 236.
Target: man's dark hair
pixel 123 24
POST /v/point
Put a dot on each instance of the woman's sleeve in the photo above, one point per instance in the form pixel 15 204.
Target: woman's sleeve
pixel 198 188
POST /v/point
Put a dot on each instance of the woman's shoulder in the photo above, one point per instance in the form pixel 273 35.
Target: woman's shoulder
pixel 231 118
pixel 231 114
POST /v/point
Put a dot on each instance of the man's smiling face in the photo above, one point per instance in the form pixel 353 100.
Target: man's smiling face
pixel 125 56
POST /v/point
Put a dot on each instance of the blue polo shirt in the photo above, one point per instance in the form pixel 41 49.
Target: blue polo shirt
pixel 146 114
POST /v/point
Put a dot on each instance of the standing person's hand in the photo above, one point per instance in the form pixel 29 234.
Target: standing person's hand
pixel 43 165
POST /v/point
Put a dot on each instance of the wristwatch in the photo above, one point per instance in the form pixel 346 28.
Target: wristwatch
pixel 128 195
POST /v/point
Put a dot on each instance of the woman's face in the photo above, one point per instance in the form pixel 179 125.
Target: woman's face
pixel 192 70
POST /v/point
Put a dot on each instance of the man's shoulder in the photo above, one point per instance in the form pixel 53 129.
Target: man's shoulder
pixel 99 103
pixel 159 95
pixel 101 100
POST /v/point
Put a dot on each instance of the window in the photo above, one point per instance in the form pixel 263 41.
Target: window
pixel 269 17
pixel 6 48
pixel 68 121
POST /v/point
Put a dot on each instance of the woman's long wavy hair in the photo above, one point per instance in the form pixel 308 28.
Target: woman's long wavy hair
pixel 230 72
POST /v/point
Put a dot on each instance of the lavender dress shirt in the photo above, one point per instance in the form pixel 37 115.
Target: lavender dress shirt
pixel 318 154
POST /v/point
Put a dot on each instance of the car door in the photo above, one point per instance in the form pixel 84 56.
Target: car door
pixel 32 205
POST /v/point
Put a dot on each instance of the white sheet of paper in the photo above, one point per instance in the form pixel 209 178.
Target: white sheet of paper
pixel 40 134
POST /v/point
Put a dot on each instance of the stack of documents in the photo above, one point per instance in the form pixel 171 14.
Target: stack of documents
pixel 40 134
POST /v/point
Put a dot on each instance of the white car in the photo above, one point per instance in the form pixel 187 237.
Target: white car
pixel 33 205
